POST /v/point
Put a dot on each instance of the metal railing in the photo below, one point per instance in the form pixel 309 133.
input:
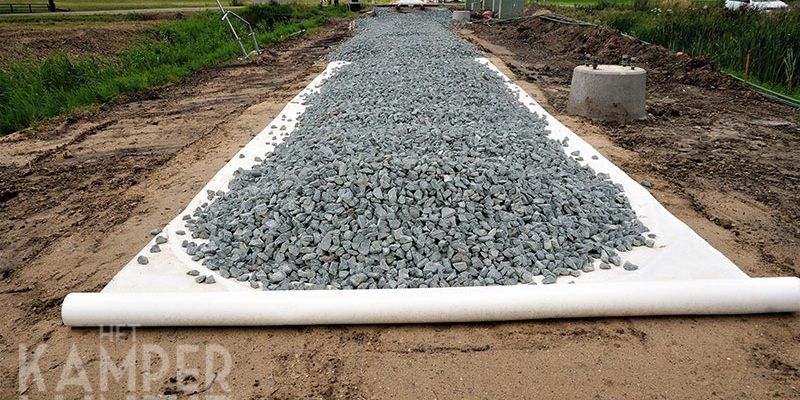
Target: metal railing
pixel 11 8
pixel 226 14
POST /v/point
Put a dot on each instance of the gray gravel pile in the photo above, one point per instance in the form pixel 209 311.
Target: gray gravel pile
pixel 405 39
pixel 414 166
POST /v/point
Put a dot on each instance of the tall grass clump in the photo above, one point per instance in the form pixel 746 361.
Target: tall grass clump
pixel 36 90
pixel 725 36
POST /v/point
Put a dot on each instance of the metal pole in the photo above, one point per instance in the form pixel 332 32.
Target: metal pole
pixel 233 30
pixel 255 41
pixel 238 39
pixel 226 16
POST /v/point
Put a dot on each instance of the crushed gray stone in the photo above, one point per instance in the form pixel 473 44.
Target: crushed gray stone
pixel 629 266
pixel 142 260
pixel 397 177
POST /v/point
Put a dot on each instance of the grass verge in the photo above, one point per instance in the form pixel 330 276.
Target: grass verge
pixel 35 91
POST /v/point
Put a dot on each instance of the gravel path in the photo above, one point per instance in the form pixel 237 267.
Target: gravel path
pixel 414 166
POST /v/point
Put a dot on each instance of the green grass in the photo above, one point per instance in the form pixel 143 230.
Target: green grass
pixel 708 29
pixel 35 91
pixel 57 21
pixel 793 93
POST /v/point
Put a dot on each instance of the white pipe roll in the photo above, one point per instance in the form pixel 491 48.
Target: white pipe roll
pixel 469 304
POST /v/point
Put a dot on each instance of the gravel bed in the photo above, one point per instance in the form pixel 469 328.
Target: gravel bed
pixel 413 167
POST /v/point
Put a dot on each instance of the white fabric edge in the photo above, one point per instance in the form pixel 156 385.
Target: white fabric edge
pixel 392 306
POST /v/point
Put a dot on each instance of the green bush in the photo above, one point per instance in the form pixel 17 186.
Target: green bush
pixel 265 16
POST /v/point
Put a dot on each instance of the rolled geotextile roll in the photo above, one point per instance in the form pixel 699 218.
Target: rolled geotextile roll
pixel 465 304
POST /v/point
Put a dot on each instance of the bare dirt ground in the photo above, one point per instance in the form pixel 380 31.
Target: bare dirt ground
pixel 79 197
pixel 25 40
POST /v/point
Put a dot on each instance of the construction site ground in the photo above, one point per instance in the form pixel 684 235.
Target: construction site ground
pixel 80 195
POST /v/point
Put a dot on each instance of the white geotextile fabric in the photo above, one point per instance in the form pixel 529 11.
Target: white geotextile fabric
pixel 679 253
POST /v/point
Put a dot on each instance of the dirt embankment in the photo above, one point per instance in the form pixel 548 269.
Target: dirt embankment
pixel 568 45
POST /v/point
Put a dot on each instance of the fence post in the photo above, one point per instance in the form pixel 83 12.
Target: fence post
pixel 747 67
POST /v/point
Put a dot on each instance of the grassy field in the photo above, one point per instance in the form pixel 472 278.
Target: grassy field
pixel 706 28
pixel 56 22
pixel 35 91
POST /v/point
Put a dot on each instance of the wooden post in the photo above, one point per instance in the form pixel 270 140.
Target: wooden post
pixel 747 67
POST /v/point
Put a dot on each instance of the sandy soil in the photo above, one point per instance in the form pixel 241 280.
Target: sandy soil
pixel 78 198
